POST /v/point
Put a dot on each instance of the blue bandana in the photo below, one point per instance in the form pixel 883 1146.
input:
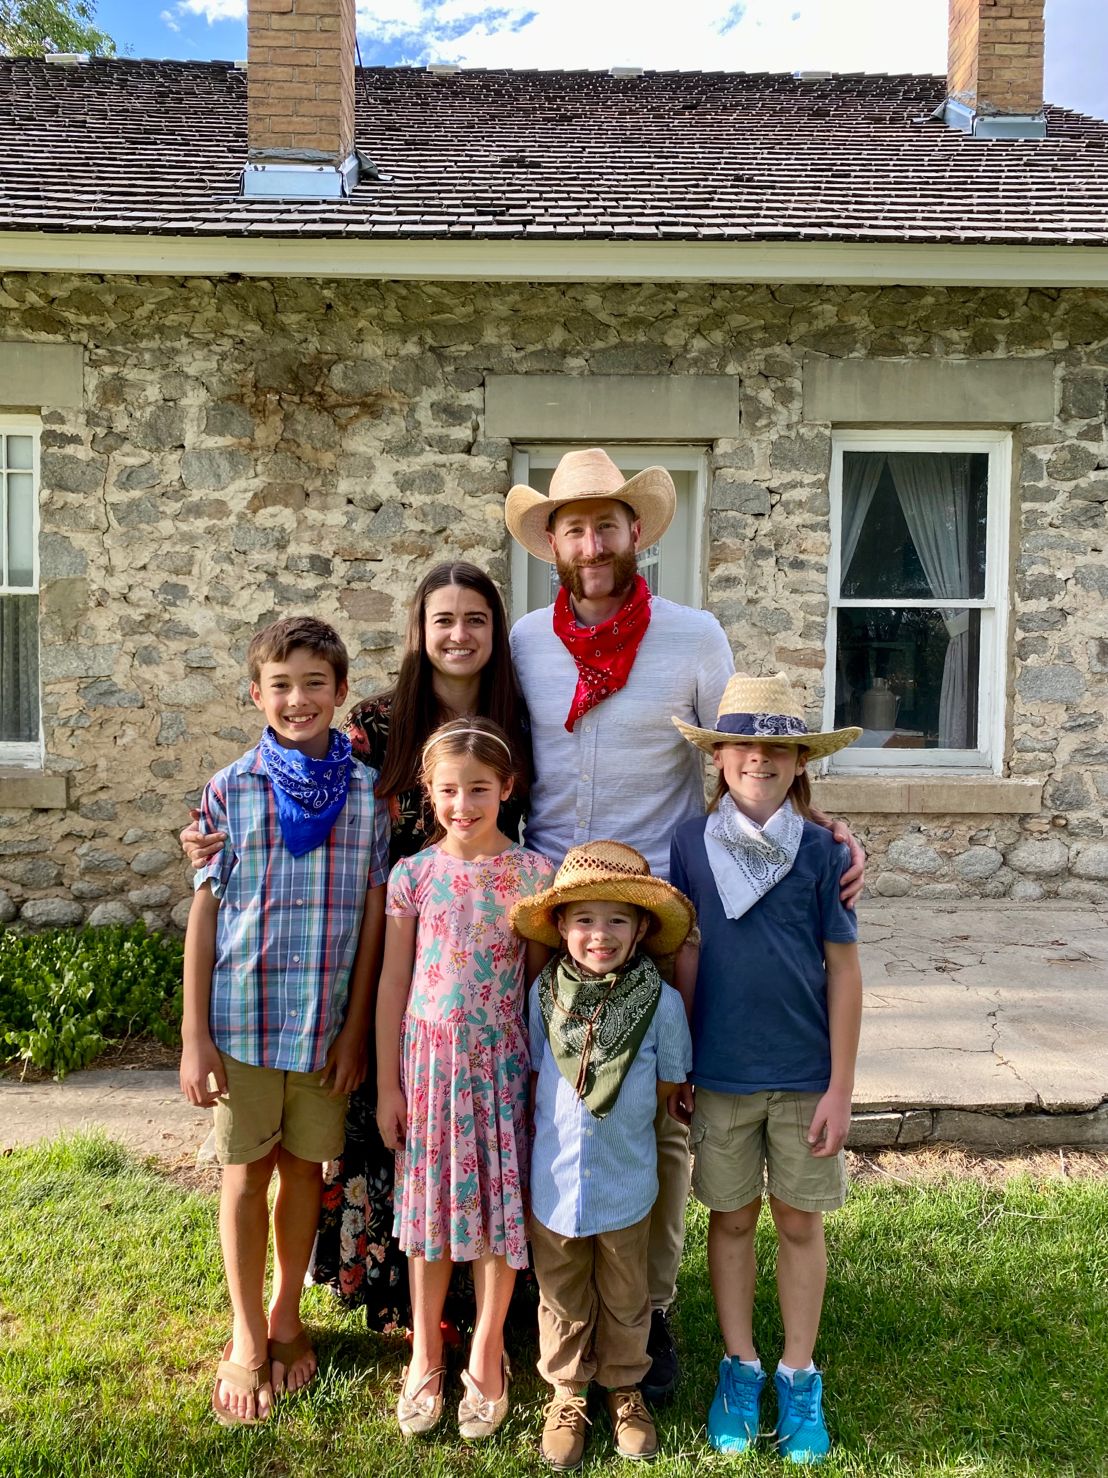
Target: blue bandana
pixel 309 793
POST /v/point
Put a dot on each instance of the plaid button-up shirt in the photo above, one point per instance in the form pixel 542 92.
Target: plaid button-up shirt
pixel 288 926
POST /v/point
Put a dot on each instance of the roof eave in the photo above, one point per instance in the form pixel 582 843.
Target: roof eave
pixel 832 262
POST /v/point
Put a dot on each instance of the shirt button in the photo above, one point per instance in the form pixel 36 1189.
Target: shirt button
pixel 584 777
pixel 294 1014
pixel 300 903
pixel 587 1174
pixel 296 960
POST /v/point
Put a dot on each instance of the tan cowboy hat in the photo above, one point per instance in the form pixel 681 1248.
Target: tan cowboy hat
pixel 764 708
pixel 649 494
pixel 610 872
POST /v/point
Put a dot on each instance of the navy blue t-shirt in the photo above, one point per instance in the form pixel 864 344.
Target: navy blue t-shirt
pixel 760 1016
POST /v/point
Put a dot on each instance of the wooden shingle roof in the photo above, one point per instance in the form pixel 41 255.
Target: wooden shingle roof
pixel 156 148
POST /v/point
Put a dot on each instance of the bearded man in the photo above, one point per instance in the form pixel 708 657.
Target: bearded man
pixel 602 670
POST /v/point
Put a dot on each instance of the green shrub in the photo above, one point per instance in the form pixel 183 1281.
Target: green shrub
pixel 65 995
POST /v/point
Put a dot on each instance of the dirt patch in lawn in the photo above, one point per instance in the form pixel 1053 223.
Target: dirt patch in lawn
pixel 928 1165
pixel 136 1053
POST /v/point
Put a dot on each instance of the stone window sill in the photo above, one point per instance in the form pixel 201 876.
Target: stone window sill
pixel 968 796
pixel 31 790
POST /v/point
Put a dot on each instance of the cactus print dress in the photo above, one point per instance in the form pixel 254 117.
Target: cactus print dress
pixel 461 1178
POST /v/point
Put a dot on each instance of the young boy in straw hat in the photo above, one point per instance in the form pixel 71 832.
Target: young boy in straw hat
pixel 776 1002
pixel 608 1039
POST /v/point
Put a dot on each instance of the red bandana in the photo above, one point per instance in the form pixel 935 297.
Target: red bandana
pixel 605 653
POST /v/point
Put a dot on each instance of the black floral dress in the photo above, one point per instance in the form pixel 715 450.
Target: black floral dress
pixel 355 1254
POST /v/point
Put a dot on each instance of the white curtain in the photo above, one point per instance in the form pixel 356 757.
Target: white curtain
pixel 861 474
pixel 933 489
pixel 19 667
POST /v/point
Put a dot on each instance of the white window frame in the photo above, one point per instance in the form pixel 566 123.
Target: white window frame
pixel 988 757
pixel 675 457
pixel 25 754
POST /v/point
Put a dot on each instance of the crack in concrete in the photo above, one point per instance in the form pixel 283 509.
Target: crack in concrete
pixel 888 1000
pixel 967 1051
pixel 992 1020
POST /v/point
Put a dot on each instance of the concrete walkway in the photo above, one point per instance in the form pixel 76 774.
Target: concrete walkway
pixel 985 1024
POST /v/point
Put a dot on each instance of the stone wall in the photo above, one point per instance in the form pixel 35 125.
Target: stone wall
pixel 253 448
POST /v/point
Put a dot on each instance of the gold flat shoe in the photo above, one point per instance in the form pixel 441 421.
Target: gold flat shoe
pixel 418 1414
pixel 479 1415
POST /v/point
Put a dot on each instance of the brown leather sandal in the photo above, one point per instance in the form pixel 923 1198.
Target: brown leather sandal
pixel 245 1381
pixel 288 1352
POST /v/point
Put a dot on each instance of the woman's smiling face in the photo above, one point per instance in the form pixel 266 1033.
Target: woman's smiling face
pixel 457 631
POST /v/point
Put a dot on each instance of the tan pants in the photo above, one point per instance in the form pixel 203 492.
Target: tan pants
pixel 594 1310
pixel 667 1220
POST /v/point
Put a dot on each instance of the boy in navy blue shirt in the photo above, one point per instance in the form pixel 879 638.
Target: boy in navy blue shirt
pixel 775 999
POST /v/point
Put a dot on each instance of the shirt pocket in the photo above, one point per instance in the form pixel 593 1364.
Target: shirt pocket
pixel 792 902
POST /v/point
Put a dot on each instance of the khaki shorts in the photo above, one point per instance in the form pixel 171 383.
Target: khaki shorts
pixel 265 1106
pixel 745 1143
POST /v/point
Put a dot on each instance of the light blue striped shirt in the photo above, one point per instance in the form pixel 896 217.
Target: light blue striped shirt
pixel 598 1175
pixel 624 772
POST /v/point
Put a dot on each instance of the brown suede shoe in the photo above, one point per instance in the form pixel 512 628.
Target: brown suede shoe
pixel 632 1426
pixel 563 1433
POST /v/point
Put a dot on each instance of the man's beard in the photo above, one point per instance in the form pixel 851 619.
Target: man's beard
pixel 624 568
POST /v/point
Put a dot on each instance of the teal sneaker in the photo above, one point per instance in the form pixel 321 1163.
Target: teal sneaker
pixel 801 1434
pixel 733 1415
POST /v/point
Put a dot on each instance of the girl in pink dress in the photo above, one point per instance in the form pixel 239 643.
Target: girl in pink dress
pixel 452 1064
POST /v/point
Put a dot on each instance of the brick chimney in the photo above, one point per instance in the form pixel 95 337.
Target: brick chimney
pixel 300 99
pixel 995 68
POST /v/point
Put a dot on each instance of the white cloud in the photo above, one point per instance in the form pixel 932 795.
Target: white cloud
pixel 167 19
pixel 214 10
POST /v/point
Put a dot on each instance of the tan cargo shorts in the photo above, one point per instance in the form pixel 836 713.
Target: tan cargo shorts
pixel 746 1143
pixel 264 1106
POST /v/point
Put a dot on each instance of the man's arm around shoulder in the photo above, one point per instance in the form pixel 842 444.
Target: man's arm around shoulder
pixel 714 665
pixel 200 1059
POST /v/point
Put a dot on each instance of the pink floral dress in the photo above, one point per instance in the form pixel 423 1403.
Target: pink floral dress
pixel 461 1178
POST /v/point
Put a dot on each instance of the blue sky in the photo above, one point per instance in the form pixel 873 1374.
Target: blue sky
pixel 752 35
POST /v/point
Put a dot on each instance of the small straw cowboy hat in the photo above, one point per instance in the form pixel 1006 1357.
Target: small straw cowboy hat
pixel 592 474
pixel 764 708
pixel 609 872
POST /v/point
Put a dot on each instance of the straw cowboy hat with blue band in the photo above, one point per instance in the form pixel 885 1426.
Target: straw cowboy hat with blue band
pixel 764 708
pixel 584 475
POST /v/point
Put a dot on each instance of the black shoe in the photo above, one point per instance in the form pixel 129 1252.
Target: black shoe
pixel 661 1379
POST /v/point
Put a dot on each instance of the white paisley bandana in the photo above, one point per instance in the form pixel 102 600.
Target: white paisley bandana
pixel 746 859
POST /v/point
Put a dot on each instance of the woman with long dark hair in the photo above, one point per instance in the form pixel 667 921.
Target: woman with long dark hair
pixel 456 662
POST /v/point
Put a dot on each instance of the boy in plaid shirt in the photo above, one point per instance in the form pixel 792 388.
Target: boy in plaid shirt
pixel 282 952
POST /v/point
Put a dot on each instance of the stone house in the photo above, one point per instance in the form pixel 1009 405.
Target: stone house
pixel 278 338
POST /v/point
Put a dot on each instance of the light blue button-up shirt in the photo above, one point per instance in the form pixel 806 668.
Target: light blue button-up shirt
pixel 624 772
pixel 597 1175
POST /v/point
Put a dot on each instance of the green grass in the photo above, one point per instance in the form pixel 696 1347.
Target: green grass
pixel 965 1334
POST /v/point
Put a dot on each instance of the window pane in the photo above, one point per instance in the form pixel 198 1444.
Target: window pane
pixel 21 528
pixel 913 525
pixel 20 451
pixel 18 667
pixel 909 677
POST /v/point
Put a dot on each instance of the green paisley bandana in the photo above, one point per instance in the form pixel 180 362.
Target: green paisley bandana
pixel 595 1024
